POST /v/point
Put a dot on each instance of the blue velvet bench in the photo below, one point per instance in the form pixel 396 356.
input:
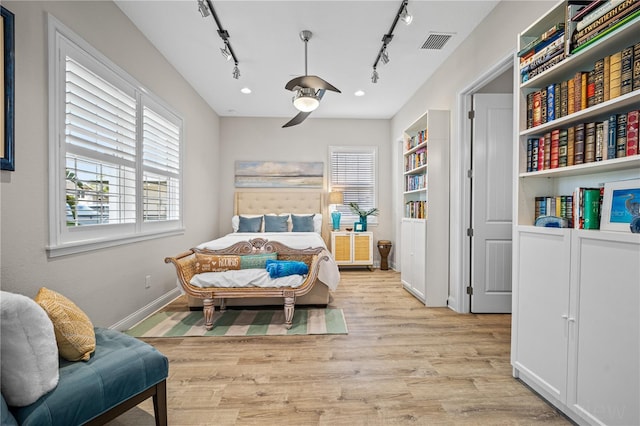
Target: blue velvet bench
pixel 122 372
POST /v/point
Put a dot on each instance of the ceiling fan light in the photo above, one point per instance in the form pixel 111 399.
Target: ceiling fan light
pixel 405 16
pixel 306 100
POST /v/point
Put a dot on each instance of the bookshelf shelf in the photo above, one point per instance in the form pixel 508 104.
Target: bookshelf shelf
pixel 567 281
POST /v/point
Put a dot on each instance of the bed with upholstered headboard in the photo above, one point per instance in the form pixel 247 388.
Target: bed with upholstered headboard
pixel 296 204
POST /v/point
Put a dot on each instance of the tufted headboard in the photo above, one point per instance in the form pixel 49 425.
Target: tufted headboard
pixel 262 202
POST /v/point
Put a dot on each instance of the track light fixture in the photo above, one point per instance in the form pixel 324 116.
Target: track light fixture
pixel 383 55
pixel 374 76
pixel 205 7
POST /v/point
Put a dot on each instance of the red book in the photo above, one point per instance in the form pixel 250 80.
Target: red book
pixel 555 148
pixel 632 133
pixel 541 153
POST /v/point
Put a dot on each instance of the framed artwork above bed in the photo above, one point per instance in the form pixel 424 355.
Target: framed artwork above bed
pixel 279 174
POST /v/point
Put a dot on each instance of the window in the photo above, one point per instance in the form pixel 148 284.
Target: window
pixel 115 157
pixel 353 171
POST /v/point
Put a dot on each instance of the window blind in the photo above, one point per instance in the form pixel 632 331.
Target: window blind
pixel 353 172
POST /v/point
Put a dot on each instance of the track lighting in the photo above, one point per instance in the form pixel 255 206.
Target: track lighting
pixel 236 72
pixel 374 76
pixel 225 52
pixel 405 16
pixel 203 8
pixel 384 56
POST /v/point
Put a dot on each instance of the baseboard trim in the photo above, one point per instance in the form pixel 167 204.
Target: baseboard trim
pixel 131 320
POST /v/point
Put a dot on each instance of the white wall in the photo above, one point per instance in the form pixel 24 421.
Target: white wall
pixel 107 284
pixel 491 41
pixel 264 139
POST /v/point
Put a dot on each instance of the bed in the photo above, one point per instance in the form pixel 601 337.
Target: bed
pixel 280 203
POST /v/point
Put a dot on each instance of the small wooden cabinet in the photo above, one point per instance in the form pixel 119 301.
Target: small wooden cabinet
pixel 352 248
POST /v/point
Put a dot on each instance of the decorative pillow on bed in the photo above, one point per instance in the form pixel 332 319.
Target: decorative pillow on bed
pixel 302 223
pixel 273 223
pixel 283 268
pixel 216 263
pixel 235 220
pixel 250 224
pixel 256 261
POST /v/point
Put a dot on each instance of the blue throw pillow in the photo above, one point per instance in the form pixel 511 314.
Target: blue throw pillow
pixel 302 223
pixel 283 268
pixel 276 223
pixel 250 224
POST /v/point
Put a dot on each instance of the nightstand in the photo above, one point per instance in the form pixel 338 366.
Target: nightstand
pixel 352 248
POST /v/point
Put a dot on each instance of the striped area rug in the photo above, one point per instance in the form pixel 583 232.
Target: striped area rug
pixel 268 322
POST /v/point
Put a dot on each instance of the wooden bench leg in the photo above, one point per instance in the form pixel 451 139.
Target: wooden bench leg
pixel 160 403
pixel 208 308
pixel 289 307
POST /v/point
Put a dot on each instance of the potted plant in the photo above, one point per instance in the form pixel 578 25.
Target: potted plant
pixel 363 214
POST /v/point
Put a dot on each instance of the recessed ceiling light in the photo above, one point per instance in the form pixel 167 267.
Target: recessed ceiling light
pixel 359 93
pixel 245 90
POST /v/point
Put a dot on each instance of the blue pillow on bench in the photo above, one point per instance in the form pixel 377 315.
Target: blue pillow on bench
pixel 283 268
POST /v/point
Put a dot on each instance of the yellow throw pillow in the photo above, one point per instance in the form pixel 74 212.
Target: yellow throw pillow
pixel 216 263
pixel 74 332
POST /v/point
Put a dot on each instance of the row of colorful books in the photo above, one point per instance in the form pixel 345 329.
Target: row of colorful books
pixel 581 209
pixel 416 210
pixel 415 182
pixel 585 143
pixel 415 159
pixel 611 76
pixel 605 17
pixel 543 52
pixel 416 140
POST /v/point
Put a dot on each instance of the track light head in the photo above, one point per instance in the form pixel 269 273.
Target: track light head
pixel 384 56
pixel 405 16
pixel 374 76
pixel 236 72
pixel 225 52
pixel 203 9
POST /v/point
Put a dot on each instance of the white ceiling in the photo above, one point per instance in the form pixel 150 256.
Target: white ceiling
pixel 264 35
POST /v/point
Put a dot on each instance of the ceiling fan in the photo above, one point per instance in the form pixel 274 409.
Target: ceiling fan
pixel 309 89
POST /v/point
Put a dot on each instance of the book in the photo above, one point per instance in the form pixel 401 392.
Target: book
pixel 537 108
pixel 543 105
pixel 614 74
pixel 600 147
pixel 551 103
pixel 626 70
pixel 587 17
pixel 555 149
pixel 591 88
pixel 557 89
pixel 593 38
pixel 590 142
pixel 636 67
pixel 605 139
pixel 541 153
pixel 612 128
pixel 582 12
pixel 563 140
pixel 604 21
pixel 534 155
pixel 529 110
pixel 579 144
pixel 591 208
pixel 605 78
pixel 529 154
pixel 621 136
pixel 543 40
pixel 598 77
pixel 632 133
pixel 571 96
pixel 577 81
pixel 570 145
pixel 547 151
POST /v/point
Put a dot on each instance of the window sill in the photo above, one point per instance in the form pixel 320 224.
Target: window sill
pixel 86 246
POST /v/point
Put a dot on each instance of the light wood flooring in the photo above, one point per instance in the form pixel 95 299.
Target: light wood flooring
pixel 401 363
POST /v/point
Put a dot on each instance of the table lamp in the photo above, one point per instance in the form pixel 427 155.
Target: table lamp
pixel 335 197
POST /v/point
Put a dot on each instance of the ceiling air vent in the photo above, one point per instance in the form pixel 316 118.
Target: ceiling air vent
pixel 436 41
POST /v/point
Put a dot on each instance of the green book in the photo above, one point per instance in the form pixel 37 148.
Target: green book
pixel 591 202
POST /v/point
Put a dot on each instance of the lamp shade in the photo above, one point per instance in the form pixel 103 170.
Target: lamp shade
pixel 336 197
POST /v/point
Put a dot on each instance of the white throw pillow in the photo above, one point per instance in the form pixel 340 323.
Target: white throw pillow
pixel 28 350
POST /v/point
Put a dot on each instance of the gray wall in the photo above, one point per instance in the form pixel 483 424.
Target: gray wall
pixel 107 284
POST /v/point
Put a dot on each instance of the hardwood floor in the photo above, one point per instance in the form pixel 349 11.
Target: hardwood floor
pixel 401 363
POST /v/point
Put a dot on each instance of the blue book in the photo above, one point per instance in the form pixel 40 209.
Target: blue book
pixel 611 140
pixel 551 103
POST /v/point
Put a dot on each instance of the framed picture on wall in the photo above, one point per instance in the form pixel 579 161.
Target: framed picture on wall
pixel 7 65
pixel 620 205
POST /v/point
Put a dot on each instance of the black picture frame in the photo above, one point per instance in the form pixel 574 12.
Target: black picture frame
pixel 7 154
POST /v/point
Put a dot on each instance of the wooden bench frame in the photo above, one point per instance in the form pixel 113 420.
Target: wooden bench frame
pixel 186 269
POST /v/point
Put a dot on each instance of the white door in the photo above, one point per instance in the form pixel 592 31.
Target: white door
pixel 491 203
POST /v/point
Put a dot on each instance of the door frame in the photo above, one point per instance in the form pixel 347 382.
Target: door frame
pixel 460 266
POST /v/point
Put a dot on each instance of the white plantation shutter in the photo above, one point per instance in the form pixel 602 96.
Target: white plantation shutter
pixel 353 171
pixel 115 162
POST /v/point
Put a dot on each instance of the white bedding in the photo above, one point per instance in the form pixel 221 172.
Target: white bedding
pixel 328 272
pixel 245 278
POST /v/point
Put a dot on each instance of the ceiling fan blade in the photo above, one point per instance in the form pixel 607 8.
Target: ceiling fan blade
pixel 299 118
pixel 311 81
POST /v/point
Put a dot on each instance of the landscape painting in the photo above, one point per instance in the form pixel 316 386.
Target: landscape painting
pixel 279 174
